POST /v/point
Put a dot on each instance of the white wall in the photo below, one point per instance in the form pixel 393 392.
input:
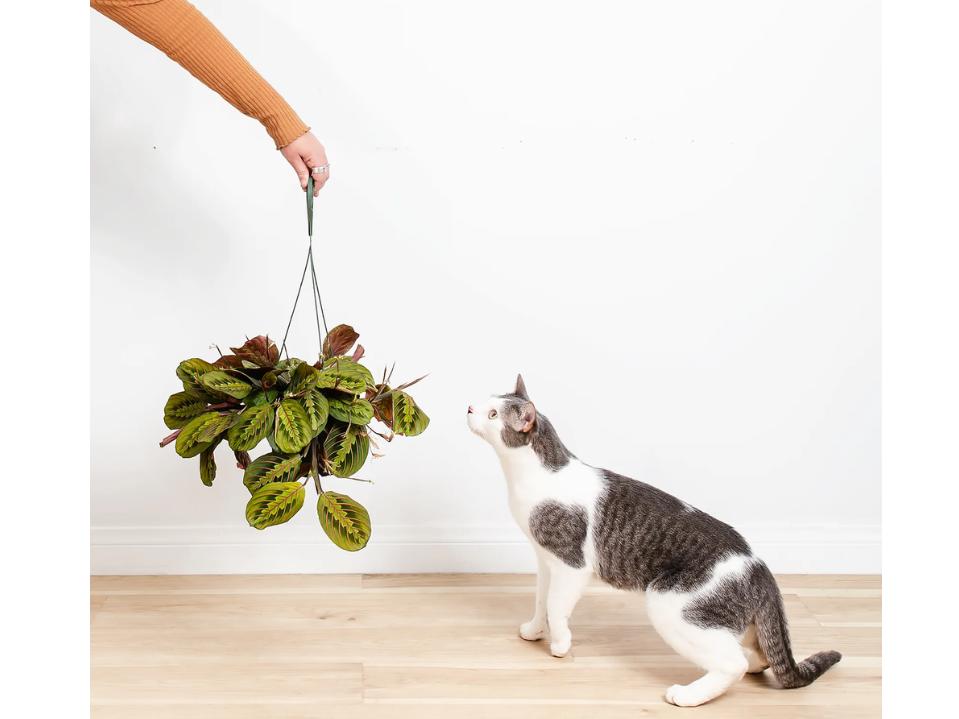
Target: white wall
pixel 664 214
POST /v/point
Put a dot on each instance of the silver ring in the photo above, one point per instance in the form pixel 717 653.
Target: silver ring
pixel 320 169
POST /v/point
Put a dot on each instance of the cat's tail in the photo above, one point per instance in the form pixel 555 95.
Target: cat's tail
pixel 773 636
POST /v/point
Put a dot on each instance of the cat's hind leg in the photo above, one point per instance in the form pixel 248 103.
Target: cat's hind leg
pixel 715 649
pixel 566 585
pixel 758 663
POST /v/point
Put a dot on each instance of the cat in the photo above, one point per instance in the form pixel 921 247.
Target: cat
pixel 709 597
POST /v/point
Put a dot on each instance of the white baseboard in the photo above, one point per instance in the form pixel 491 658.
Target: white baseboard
pixel 403 549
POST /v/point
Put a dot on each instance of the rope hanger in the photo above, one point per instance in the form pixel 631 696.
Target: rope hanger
pixel 309 265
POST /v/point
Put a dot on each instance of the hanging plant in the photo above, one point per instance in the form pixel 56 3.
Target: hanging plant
pixel 317 418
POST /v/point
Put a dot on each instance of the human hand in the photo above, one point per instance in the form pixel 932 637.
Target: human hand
pixel 304 154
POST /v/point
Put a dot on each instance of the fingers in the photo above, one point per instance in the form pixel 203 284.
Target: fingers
pixel 301 169
pixel 306 153
pixel 319 179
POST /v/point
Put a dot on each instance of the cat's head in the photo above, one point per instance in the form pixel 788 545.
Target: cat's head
pixel 504 420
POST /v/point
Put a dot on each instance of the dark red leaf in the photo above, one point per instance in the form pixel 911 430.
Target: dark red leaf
pixel 339 340
pixel 261 351
pixel 358 353
pixel 228 362
pixel 382 403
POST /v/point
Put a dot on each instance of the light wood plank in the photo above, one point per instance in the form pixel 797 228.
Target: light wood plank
pixel 228 682
pixel 845 686
pixel 837 611
pixel 225 584
pixel 437 645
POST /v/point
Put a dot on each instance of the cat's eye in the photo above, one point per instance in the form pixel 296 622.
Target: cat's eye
pixel 492 414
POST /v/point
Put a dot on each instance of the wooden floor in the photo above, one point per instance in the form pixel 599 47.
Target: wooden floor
pixel 298 646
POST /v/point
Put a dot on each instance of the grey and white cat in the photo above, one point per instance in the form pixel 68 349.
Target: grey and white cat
pixel 709 597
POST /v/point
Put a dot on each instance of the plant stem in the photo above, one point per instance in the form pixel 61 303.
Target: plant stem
pixel 170 437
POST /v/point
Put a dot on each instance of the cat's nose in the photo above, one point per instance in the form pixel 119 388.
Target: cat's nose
pixel 469 410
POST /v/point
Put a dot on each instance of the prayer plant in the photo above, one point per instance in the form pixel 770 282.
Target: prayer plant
pixel 317 419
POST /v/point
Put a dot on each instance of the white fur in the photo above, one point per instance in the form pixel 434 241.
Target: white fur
pixel 724 656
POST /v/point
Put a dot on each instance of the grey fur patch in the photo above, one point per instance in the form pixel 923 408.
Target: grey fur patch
pixel 543 439
pixel 753 597
pixel 735 601
pixel 645 537
pixel 561 530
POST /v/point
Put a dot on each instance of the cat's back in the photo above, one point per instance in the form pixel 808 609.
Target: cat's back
pixel 643 535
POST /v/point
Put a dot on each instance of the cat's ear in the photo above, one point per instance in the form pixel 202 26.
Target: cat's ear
pixel 520 390
pixel 524 418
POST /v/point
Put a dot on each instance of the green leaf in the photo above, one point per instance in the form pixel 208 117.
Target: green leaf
pixel 293 430
pixel 288 364
pixel 188 443
pixel 255 399
pixel 317 409
pixel 182 407
pixel 408 418
pixel 274 504
pixel 271 468
pixel 355 411
pixel 344 374
pixel 189 371
pixel 346 448
pixel 252 426
pixel 214 428
pixel 208 465
pixel 304 377
pixel 220 381
pixel 345 521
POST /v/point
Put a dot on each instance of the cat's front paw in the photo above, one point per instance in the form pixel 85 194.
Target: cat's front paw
pixel 532 631
pixel 684 696
pixel 560 646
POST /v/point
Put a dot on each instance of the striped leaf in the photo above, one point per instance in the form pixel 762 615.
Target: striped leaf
pixel 408 418
pixel 293 430
pixel 189 371
pixel 208 465
pixel 345 521
pixel 271 468
pixel 352 411
pixel 274 503
pixel 220 381
pixel 302 379
pixel 344 374
pixel 317 409
pixel 214 428
pixel 252 426
pixel 182 407
pixel 346 449
pixel 188 443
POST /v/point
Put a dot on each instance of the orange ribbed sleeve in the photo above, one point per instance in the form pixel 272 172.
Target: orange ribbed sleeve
pixel 182 32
